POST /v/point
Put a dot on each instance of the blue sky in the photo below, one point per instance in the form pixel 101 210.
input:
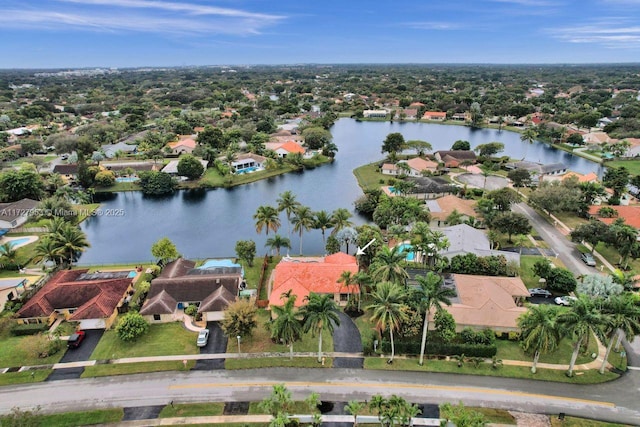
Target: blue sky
pixel 130 33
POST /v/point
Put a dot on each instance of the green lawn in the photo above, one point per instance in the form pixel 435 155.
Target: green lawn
pixel 369 178
pixel 633 166
pixel 11 354
pixel 277 362
pixel 411 364
pixel 212 177
pixel 192 410
pixel 570 219
pixel 495 416
pixel 611 255
pixel 252 274
pixel 84 418
pixel 526 270
pixel 161 340
pixel 261 340
pixel 24 377
pixel 581 422
pixel 300 408
pixel 511 350
pixel 135 368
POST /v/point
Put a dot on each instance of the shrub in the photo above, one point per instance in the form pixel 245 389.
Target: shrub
pixel 191 310
pixel 31 329
pixel 437 348
pixel 131 326
pixel 484 337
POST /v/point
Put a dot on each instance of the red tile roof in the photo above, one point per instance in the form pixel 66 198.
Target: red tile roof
pixel 630 214
pixel 92 298
pixel 305 275
pixel 292 147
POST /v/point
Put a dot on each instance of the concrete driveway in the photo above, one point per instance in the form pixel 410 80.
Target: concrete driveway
pixel 79 354
pixel 346 339
pixel 217 344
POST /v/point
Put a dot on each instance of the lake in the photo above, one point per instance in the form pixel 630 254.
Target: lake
pixel 207 223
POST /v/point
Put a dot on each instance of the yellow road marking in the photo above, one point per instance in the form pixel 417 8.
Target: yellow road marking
pixel 387 386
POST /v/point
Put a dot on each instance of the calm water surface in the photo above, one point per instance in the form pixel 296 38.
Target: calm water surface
pixel 207 223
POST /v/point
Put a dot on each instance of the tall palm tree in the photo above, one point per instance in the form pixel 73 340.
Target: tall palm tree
pixel 55 224
pixel 71 242
pixel 318 315
pixel 540 331
pixel 389 265
pixel 354 408
pixel 347 279
pixel 432 295
pixel 287 325
pixel 387 312
pixel 288 204
pixel 47 250
pixel 267 217
pixel 276 242
pixel 529 135
pixel 623 321
pixel 8 255
pixel 323 221
pixel 582 319
pixel 303 220
pixel 340 218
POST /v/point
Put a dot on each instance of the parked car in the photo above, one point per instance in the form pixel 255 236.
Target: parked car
pixel 203 338
pixel 76 339
pixel 587 258
pixel 565 300
pixel 539 292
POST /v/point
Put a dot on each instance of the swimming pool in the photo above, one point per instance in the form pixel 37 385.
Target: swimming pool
pixel 128 179
pixel 247 170
pixel 17 242
pixel 393 190
pixel 406 248
pixel 132 274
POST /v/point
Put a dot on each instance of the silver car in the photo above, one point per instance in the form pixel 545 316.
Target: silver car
pixel 203 338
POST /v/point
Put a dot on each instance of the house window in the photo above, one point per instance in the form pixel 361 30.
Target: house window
pixel 156 317
pixel 344 297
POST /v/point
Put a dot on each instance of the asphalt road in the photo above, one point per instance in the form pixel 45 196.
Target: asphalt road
pixel 615 401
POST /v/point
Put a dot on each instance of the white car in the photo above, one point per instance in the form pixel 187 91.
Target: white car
pixel 203 338
pixel 565 300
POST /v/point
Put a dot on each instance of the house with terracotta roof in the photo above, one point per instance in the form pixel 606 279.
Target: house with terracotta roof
pixel 630 214
pixel 92 299
pixel 486 302
pixel 183 146
pixel 304 275
pixel 442 207
pixel 434 115
pixel 419 166
pixel 181 283
pixel 389 169
pixel 453 158
pixel 283 149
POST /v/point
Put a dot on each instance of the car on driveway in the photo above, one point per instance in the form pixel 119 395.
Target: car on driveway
pixel 588 259
pixel 565 300
pixel 203 338
pixel 539 292
pixel 75 339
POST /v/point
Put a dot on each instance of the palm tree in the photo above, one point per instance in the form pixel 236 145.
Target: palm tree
pixel 323 221
pixel 70 241
pixel 354 408
pixel 623 321
pixel 389 265
pixel 267 217
pixel 500 123
pixel 529 135
pixel 433 294
pixel 287 325
pixel 8 255
pixel 340 219
pixel 303 220
pixel 540 331
pixel 347 279
pixel 319 314
pixel 47 250
pixel 288 204
pixel 582 319
pixel 387 313
pixel 276 242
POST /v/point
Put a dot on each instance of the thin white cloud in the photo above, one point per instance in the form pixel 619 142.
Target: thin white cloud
pixel 532 3
pixel 433 25
pixel 188 8
pixel 611 33
pixel 125 22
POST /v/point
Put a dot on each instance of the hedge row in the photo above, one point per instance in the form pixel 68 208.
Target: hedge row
pixel 443 349
pixel 29 329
